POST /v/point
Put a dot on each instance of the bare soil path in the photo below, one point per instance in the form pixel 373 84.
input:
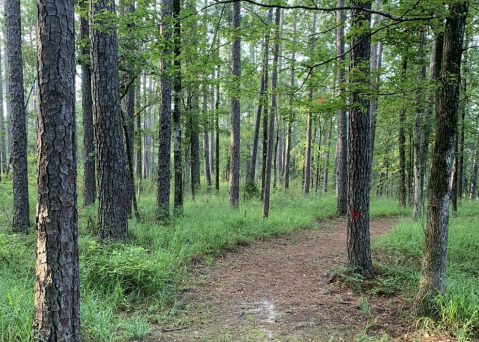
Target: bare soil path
pixel 283 290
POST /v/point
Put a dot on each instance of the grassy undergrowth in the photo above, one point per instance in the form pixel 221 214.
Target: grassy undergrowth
pixel 126 287
pixel 400 270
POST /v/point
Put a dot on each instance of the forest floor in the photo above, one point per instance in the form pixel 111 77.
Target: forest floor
pixel 287 289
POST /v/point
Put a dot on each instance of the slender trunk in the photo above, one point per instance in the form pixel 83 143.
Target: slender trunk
pixel 235 109
pixel 57 287
pixel 275 155
pixel 463 110
pixel 375 64
pixel 433 269
pixel 164 138
pixel 21 219
pixel 326 158
pixel 211 129
pixel 110 151
pixel 147 163
pixel 359 171
pixel 474 174
pixel 287 154
pixel 342 144
pixel 402 149
pixel 3 147
pixel 454 180
pixel 307 162
pixel 206 147
pixel 195 142
pixel 272 112
pixel 8 107
pixel 217 131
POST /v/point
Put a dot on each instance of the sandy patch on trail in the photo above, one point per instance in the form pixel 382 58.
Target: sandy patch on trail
pixel 281 290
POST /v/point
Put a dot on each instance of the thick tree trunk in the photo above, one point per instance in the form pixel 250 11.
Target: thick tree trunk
pixel 342 144
pixel 164 137
pixel 8 107
pixel 235 109
pixel 402 148
pixel 433 269
pixel 21 219
pixel 272 112
pixel 57 288
pixel 89 182
pixel 262 99
pixel 359 171
pixel 307 160
pixel 178 167
pixel 3 147
pixel 111 159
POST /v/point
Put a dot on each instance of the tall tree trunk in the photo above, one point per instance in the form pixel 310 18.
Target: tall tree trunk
pixel 21 219
pixel 235 109
pixel 178 167
pixel 57 288
pixel 164 138
pixel 359 171
pixel 8 107
pixel 147 163
pixel 262 99
pixel 272 111
pixel 342 144
pixel 217 131
pixel 463 110
pixel 3 147
pixel 138 136
pixel 307 162
pixel 453 186
pixel 89 183
pixel 433 269
pixel 211 129
pixel 111 165
pixel 326 157
pixel 206 147
pixel 474 174
pixel 402 148
pixel 195 142
pixel 287 153
pixel 419 169
pixel 375 64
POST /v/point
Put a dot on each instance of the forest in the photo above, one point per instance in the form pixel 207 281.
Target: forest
pixel 239 170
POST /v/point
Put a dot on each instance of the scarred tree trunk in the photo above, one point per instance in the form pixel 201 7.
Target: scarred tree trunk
pixel 235 110
pixel 359 171
pixel 272 112
pixel 307 160
pixel 89 184
pixel 111 159
pixel 57 288
pixel 164 147
pixel 342 144
pixel 21 219
pixel 433 269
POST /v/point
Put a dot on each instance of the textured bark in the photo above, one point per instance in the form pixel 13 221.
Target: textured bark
pixel 195 142
pixel 8 114
pixel 235 110
pixel 211 130
pixel 178 167
pixel 326 158
pixel 111 159
pixel 138 147
pixel 164 147
pixel 419 143
pixel 359 172
pixel 57 288
pixel 89 183
pixel 433 268
pixel 463 109
pixel 287 152
pixel 342 144
pixel 21 219
pixel 262 99
pixel 3 146
pixel 217 132
pixel 402 149
pixel 147 162
pixel 307 160
pixel 272 112
pixel 375 65
pixel 474 174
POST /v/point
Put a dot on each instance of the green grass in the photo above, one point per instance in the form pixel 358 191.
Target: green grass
pixel 124 287
pixel 459 307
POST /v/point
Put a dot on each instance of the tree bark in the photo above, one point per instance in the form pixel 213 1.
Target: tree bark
pixel 206 146
pixel 474 174
pixel 433 269
pixel 111 159
pixel 272 112
pixel 21 219
pixel 164 136
pixel 402 149
pixel 89 183
pixel 342 144
pixel 57 288
pixel 359 171
pixel 3 146
pixel 307 162
pixel 326 158
pixel 235 109
pixel 147 140
pixel 217 132
pixel 178 167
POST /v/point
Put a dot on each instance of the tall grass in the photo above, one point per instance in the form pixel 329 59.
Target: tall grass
pixel 459 307
pixel 123 286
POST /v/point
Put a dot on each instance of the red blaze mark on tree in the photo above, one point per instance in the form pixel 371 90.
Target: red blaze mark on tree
pixel 355 214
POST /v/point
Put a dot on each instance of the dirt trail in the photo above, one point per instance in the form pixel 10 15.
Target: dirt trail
pixel 282 290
